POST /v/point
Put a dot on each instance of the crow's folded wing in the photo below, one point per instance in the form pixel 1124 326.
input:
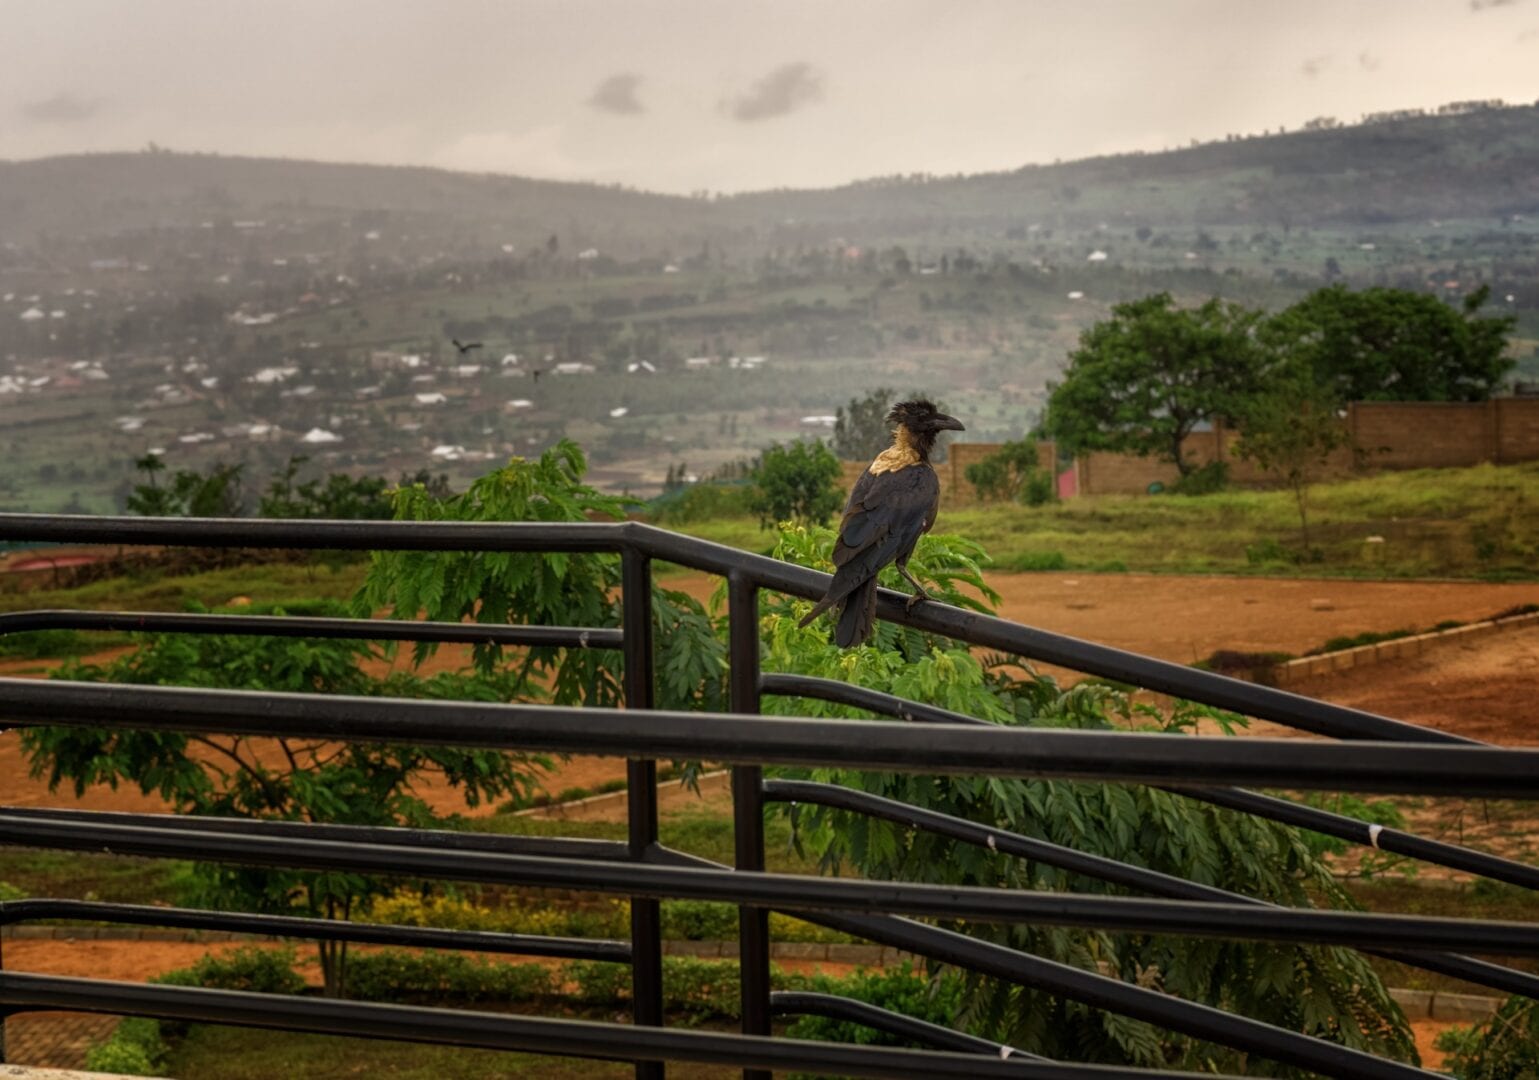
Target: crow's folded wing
pixel 886 514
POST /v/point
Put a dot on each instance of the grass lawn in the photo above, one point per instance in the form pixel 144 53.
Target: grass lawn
pixel 264 583
pixel 1479 523
pixel 117 879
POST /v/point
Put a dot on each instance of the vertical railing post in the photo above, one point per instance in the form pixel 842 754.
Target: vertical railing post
pixel 748 808
pixel 641 799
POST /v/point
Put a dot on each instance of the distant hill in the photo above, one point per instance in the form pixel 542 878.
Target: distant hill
pixel 1482 165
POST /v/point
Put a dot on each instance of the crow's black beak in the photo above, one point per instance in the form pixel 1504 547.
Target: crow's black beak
pixel 942 422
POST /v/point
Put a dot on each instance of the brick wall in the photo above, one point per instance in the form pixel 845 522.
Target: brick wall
pixel 1389 434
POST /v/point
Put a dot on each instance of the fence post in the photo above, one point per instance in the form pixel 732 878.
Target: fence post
pixel 641 799
pixel 748 809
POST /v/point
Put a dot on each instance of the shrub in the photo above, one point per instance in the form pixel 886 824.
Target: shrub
pixel 136 1048
pixel 1011 474
pixel 1203 480
pixel 796 482
pixel 255 970
pixel 432 977
pixel 1504 1047
pixel 43 644
pixel 408 907
pixel 899 990
pixel 11 892
pixel 699 920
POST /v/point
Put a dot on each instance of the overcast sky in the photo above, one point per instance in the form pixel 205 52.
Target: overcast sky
pixel 727 95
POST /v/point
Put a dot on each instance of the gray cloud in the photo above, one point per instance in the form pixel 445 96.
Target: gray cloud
pixel 1481 5
pixel 617 94
pixel 62 108
pixel 784 90
pixel 1367 61
pixel 1315 64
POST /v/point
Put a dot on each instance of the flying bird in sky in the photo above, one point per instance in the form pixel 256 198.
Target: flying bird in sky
pixel 892 506
pixel 466 347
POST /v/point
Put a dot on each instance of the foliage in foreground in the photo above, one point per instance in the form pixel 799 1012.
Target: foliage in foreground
pixel 541 589
pixel 1504 1047
pixel 289 779
pixel 1330 993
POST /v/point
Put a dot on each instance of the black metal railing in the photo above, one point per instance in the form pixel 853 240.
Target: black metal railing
pixel 1378 754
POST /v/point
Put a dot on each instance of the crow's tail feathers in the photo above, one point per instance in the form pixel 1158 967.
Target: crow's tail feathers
pixel 857 622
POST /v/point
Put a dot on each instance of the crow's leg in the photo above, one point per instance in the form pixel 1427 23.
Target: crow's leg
pixel 919 593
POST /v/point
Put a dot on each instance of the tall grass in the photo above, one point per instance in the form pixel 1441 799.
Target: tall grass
pixel 1479 523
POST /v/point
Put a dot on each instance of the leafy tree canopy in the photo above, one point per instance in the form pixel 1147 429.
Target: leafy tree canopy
pixel 187 493
pixel 1331 993
pixel 1142 380
pixel 1384 344
pixel 797 481
pixel 338 497
pixel 1291 429
pixel 542 589
pixel 285 779
pixel 861 430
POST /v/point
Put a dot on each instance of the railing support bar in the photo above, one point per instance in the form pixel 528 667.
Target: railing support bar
pixel 748 809
pixel 641 800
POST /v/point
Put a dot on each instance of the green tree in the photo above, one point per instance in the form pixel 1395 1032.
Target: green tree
pixel 1143 379
pixel 1291 429
pixel 1330 993
pixel 1012 474
pixel 796 482
pixel 1503 1047
pixel 338 497
pixel 861 430
pixel 282 779
pixel 189 493
pixel 1384 344
pixel 539 588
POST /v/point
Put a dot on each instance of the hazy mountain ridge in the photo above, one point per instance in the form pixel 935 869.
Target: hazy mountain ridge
pixel 1478 165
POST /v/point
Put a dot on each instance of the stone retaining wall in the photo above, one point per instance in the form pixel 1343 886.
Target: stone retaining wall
pixel 1308 668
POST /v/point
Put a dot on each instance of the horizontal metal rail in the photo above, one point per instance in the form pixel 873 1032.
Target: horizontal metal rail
pixel 500 1031
pixel 415 937
pixel 307 627
pixel 1112 913
pixel 1351 829
pixel 986 631
pixel 1101 868
pixel 1094 989
pixel 736 738
pixel 437 839
pixel 806 1003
